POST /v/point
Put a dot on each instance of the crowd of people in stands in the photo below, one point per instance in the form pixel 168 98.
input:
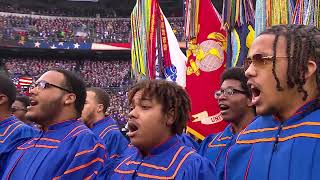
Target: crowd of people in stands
pixel 80 11
pixel 98 30
pixel 106 75
pixel 119 108
pixel 64 29
pixel 61 12
pixel 114 76
pixel 36 66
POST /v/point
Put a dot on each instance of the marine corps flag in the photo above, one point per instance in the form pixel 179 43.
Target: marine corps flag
pixel 206 61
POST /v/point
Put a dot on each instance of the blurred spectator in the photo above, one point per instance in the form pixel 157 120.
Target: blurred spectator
pixel 19 109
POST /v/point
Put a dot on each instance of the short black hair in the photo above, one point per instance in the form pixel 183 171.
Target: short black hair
pixel 237 73
pixel 76 85
pixel 25 100
pixel 8 89
pixel 102 97
pixel 170 95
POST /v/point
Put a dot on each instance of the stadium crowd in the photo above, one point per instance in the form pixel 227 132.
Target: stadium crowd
pixel 63 11
pixel 102 74
pixel 105 30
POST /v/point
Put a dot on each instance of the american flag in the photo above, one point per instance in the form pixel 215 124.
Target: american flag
pixel 76 46
pixel 25 81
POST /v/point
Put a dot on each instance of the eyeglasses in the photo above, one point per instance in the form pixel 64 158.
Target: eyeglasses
pixel 227 92
pixel 258 60
pixel 17 109
pixel 44 85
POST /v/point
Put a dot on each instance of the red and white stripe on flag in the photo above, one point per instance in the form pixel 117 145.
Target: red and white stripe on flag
pixel 25 81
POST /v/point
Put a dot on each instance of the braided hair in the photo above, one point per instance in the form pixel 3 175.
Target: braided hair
pixel 303 44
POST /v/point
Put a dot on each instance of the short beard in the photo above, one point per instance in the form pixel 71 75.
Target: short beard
pixel 51 110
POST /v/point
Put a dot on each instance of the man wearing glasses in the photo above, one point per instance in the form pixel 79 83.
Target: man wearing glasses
pixel 66 148
pixel 12 131
pixel 19 109
pixel 234 98
pixel 283 74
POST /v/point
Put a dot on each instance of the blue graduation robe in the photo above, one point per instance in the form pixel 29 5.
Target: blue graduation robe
pixel 170 160
pixel 268 149
pixel 108 130
pixel 188 141
pixel 13 133
pixel 68 150
pixel 215 146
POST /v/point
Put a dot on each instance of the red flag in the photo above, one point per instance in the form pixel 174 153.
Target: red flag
pixel 206 61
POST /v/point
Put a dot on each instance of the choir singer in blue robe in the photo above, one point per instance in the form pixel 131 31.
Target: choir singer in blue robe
pixel 283 70
pixel 159 112
pixel 234 98
pixel 66 148
pixel 106 128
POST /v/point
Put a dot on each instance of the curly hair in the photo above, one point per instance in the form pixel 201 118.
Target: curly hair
pixel 170 95
pixel 303 44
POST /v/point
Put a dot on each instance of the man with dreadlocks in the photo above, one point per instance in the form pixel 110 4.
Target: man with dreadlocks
pixel 159 112
pixel 283 74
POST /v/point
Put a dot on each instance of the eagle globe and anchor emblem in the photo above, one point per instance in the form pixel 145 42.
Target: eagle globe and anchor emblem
pixel 207 56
